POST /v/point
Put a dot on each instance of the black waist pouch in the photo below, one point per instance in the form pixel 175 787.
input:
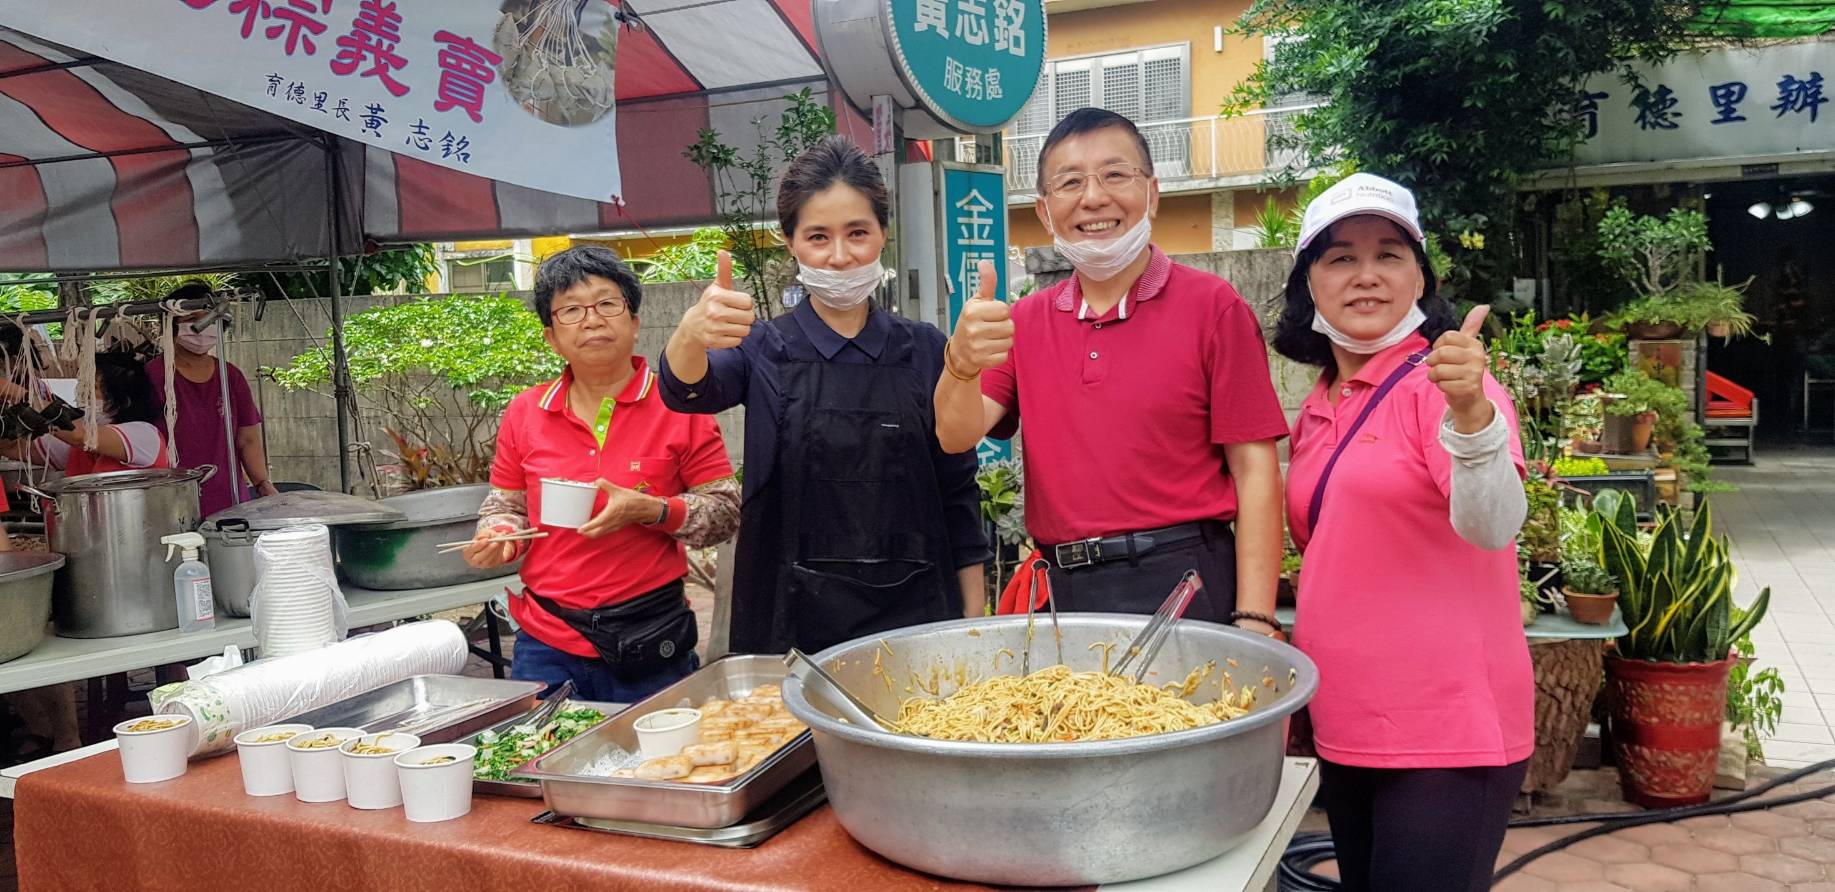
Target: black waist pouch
pixel 638 637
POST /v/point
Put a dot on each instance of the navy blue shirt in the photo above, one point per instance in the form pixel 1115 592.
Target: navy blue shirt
pixel 747 375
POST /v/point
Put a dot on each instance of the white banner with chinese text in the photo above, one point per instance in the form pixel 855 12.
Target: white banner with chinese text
pixel 520 92
pixel 1724 104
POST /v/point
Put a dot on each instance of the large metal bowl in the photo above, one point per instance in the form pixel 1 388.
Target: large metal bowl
pixel 403 555
pixel 25 600
pixel 1062 813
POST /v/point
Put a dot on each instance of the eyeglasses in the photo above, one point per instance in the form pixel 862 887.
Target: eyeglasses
pixel 574 314
pixel 1112 179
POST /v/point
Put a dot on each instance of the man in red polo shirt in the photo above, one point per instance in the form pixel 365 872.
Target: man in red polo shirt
pixel 1149 418
pixel 603 605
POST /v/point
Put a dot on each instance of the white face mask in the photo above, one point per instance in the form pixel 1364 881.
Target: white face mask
pixel 196 341
pixel 1103 259
pixel 841 289
pixel 1372 346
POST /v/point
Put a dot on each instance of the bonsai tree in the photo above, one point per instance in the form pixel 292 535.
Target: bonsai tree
pixel 1662 258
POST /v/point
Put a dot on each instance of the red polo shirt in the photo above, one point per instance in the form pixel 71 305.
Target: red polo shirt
pixel 648 448
pixel 1126 414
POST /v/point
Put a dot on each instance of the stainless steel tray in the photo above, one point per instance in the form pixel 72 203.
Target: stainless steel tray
pixel 435 708
pixel 571 793
pixel 795 800
pixel 528 788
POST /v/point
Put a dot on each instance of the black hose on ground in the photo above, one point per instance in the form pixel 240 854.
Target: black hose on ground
pixel 1311 849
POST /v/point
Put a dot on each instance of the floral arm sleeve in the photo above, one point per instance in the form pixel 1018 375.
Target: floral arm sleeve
pixel 504 508
pixel 711 513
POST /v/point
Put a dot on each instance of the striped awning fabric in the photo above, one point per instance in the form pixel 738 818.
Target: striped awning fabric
pixel 104 166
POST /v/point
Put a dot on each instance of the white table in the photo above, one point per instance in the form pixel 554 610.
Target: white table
pixel 60 660
pixel 1249 867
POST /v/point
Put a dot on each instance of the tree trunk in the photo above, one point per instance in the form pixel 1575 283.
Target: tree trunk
pixel 1568 675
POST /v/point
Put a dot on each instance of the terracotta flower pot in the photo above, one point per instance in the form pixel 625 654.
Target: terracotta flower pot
pixel 1666 728
pixel 1719 329
pixel 1591 610
pixel 1653 331
pixel 1643 425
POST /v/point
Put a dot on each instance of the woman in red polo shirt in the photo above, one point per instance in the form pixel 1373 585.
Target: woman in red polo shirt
pixel 1405 494
pixel 855 521
pixel 603 605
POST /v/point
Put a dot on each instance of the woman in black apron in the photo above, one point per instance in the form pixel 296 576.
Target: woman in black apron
pixel 855 522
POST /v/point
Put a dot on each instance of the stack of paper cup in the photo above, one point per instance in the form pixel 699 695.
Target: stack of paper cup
pixel 295 590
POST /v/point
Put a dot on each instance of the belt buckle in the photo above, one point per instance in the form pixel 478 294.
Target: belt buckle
pixel 1079 554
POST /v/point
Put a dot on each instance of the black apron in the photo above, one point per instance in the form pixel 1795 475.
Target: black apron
pixel 847 538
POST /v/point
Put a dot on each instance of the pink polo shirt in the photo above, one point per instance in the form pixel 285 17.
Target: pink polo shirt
pixel 1417 632
pixel 1125 415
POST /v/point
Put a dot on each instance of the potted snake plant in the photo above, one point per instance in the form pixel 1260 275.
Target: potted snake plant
pixel 1666 682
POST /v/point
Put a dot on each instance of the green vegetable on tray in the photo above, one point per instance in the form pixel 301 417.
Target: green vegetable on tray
pixel 500 753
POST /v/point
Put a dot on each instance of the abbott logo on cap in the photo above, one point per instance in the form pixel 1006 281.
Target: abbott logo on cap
pixel 1360 193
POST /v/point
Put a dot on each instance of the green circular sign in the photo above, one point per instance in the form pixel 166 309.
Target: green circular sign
pixel 973 63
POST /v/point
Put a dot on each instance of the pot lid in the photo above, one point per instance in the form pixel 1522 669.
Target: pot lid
pixel 118 480
pixel 294 508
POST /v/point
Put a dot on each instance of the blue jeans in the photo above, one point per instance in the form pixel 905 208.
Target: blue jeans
pixel 592 679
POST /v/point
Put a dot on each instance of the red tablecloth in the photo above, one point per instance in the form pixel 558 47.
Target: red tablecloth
pixel 80 826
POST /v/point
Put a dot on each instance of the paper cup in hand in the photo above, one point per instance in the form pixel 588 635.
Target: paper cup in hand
pixel 155 748
pixel 266 770
pixel 436 781
pixel 318 768
pixel 666 731
pixel 566 503
pixel 369 776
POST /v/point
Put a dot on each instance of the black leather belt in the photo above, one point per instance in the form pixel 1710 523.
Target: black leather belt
pixel 1086 552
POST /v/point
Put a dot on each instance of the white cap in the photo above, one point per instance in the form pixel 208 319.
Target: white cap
pixel 1361 193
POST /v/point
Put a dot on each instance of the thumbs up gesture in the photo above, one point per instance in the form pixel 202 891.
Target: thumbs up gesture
pixel 1457 366
pixel 723 316
pixel 984 330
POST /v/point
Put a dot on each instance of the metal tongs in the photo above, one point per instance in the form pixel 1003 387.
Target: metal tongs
pixel 852 708
pixel 550 706
pixel 1039 568
pixel 1153 636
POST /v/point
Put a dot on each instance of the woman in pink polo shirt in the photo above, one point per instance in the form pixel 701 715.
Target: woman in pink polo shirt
pixel 1404 492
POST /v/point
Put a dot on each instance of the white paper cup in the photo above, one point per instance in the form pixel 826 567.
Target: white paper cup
pixel 318 774
pixel 566 503
pixel 434 791
pixel 369 779
pixel 665 731
pixel 156 754
pixel 266 770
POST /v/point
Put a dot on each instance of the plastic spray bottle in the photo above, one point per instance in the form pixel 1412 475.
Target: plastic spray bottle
pixel 197 605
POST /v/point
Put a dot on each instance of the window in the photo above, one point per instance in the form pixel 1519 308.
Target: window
pixel 480 274
pixel 1145 85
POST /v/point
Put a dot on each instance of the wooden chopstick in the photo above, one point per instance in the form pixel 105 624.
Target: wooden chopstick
pixel 518 536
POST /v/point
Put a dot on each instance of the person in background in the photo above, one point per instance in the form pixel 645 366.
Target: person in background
pixel 199 433
pixel 1141 389
pixel 855 521
pixel 130 436
pixel 1405 495
pixel 604 604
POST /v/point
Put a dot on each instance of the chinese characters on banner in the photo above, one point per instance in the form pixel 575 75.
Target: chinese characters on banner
pixel 974 215
pixel 1727 103
pixel 422 78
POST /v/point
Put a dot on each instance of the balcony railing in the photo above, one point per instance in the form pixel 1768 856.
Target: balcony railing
pixel 1187 150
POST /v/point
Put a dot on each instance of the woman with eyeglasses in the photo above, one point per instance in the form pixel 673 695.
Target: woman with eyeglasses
pixel 603 605
pixel 855 522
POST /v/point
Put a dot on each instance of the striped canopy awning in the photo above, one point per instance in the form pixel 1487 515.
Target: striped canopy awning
pixel 105 166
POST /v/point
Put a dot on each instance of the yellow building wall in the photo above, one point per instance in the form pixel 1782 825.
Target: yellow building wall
pixel 1183 226
pixel 1093 32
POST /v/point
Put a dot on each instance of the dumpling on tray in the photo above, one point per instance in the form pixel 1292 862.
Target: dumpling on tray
pixel 666 768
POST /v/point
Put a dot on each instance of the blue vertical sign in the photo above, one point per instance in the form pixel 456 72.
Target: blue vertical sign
pixel 973 208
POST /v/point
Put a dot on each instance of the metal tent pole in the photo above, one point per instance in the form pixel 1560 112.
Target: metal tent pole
pixel 232 463
pixel 340 371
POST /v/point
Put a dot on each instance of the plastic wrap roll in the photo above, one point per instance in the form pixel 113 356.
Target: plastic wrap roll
pixel 271 690
pixel 297 605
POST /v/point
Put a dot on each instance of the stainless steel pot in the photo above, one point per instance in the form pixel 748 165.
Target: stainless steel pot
pixel 230 535
pixel 107 526
pixel 25 600
pixel 1061 813
pixel 402 554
